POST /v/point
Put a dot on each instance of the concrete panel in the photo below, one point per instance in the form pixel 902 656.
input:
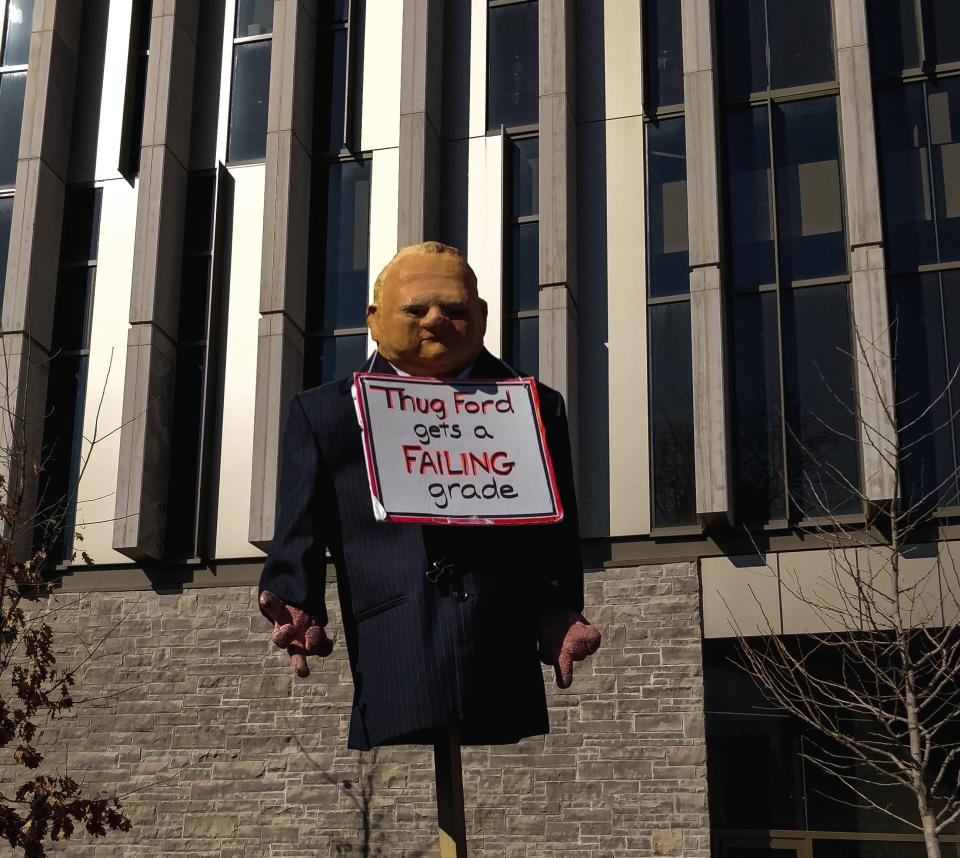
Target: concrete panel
pixel 740 594
pixel 919 586
pixel 819 591
pixel 23 397
pixel 292 64
pixel 478 67
pixel 242 311
pixel 419 163
pixel 610 89
pixel 103 409
pixel 380 128
pixel 48 102
pixel 697 25
pixel 850 23
pixel 160 210
pixel 286 227
pixel 703 184
pixel 558 349
pixel 144 456
pixel 864 222
pixel 32 266
pixel 950 582
pixel 166 116
pixel 279 376
pixel 874 366
pixel 485 229
pixel 711 428
pixel 557 192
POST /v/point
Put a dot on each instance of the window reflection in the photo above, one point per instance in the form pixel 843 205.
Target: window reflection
pixel 12 89
pixel 664 53
pixel 512 65
pixel 667 244
pixel 6 219
pixel 16 48
pixel 248 106
pixel 671 415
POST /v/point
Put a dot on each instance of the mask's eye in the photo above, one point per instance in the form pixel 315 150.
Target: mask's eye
pixel 416 311
pixel 455 311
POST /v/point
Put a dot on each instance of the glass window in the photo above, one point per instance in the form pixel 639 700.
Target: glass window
pixel 331 90
pixel 800 42
pixel 16 47
pixel 248 107
pixel 664 53
pixel 512 65
pixel 671 415
pixel 775 44
pixel 333 357
pixel 926 319
pixel 818 394
pixel 12 89
pixel 6 219
pixel 893 36
pixel 524 247
pixel 254 18
pixel 946 30
pixel 919 131
pixel 758 429
pixel 809 211
pixel 667 244
pixel 81 226
pixel 524 163
pixel 752 252
pixel 345 278
pixel 525 345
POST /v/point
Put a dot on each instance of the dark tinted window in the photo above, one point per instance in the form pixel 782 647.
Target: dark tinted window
pixel 525 176
pixel 893 36
pixel 743 27
pixel 254 18
pixel 926 318
pixel 525 345
pixel 331 92
pixel 946 30
pixel 671 415
pixel 919 135
pixel 512 65
pixel 753 262
pixel 337 297
pixel 12 89
pixel 809 211
pixel 758 431
pixel 329 358
pixel 524 266
pixel 6 218
pixel 818 394
pixel 667 245
pixel 74 299
pixel 801 42
pixel 664 53
pixel 796 36
pixel 16 49
pixel 81 226
pixel 248 107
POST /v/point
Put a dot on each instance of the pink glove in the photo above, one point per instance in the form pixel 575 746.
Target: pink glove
pixel 566 637
pixel 295 630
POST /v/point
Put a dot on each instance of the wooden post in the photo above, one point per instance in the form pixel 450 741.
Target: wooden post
pixel 449 775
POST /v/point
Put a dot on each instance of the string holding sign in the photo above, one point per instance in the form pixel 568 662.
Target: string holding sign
pixel 456 452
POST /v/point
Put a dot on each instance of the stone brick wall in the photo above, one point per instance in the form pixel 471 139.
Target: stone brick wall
pixel 191 712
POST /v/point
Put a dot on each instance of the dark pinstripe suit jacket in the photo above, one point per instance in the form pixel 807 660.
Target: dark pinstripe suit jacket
pixel 423 655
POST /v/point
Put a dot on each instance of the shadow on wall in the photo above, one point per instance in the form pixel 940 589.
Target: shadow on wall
pixel 592 275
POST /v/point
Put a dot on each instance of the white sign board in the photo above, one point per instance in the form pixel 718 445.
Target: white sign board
pixel 456 452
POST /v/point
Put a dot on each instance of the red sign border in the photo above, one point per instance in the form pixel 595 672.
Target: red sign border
pixel 527 382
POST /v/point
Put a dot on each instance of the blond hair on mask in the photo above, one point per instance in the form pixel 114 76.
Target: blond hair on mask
pixel 422 247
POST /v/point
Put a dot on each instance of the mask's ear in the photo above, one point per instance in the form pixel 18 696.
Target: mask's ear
pixel 373 322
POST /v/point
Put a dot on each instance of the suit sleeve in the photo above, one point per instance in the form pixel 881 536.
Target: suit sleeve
pixel 295 569
pixel 564 578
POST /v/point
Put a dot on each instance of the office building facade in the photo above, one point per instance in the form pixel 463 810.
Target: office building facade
pixel 716 226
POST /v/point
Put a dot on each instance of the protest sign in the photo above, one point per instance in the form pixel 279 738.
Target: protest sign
pixel 456 452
